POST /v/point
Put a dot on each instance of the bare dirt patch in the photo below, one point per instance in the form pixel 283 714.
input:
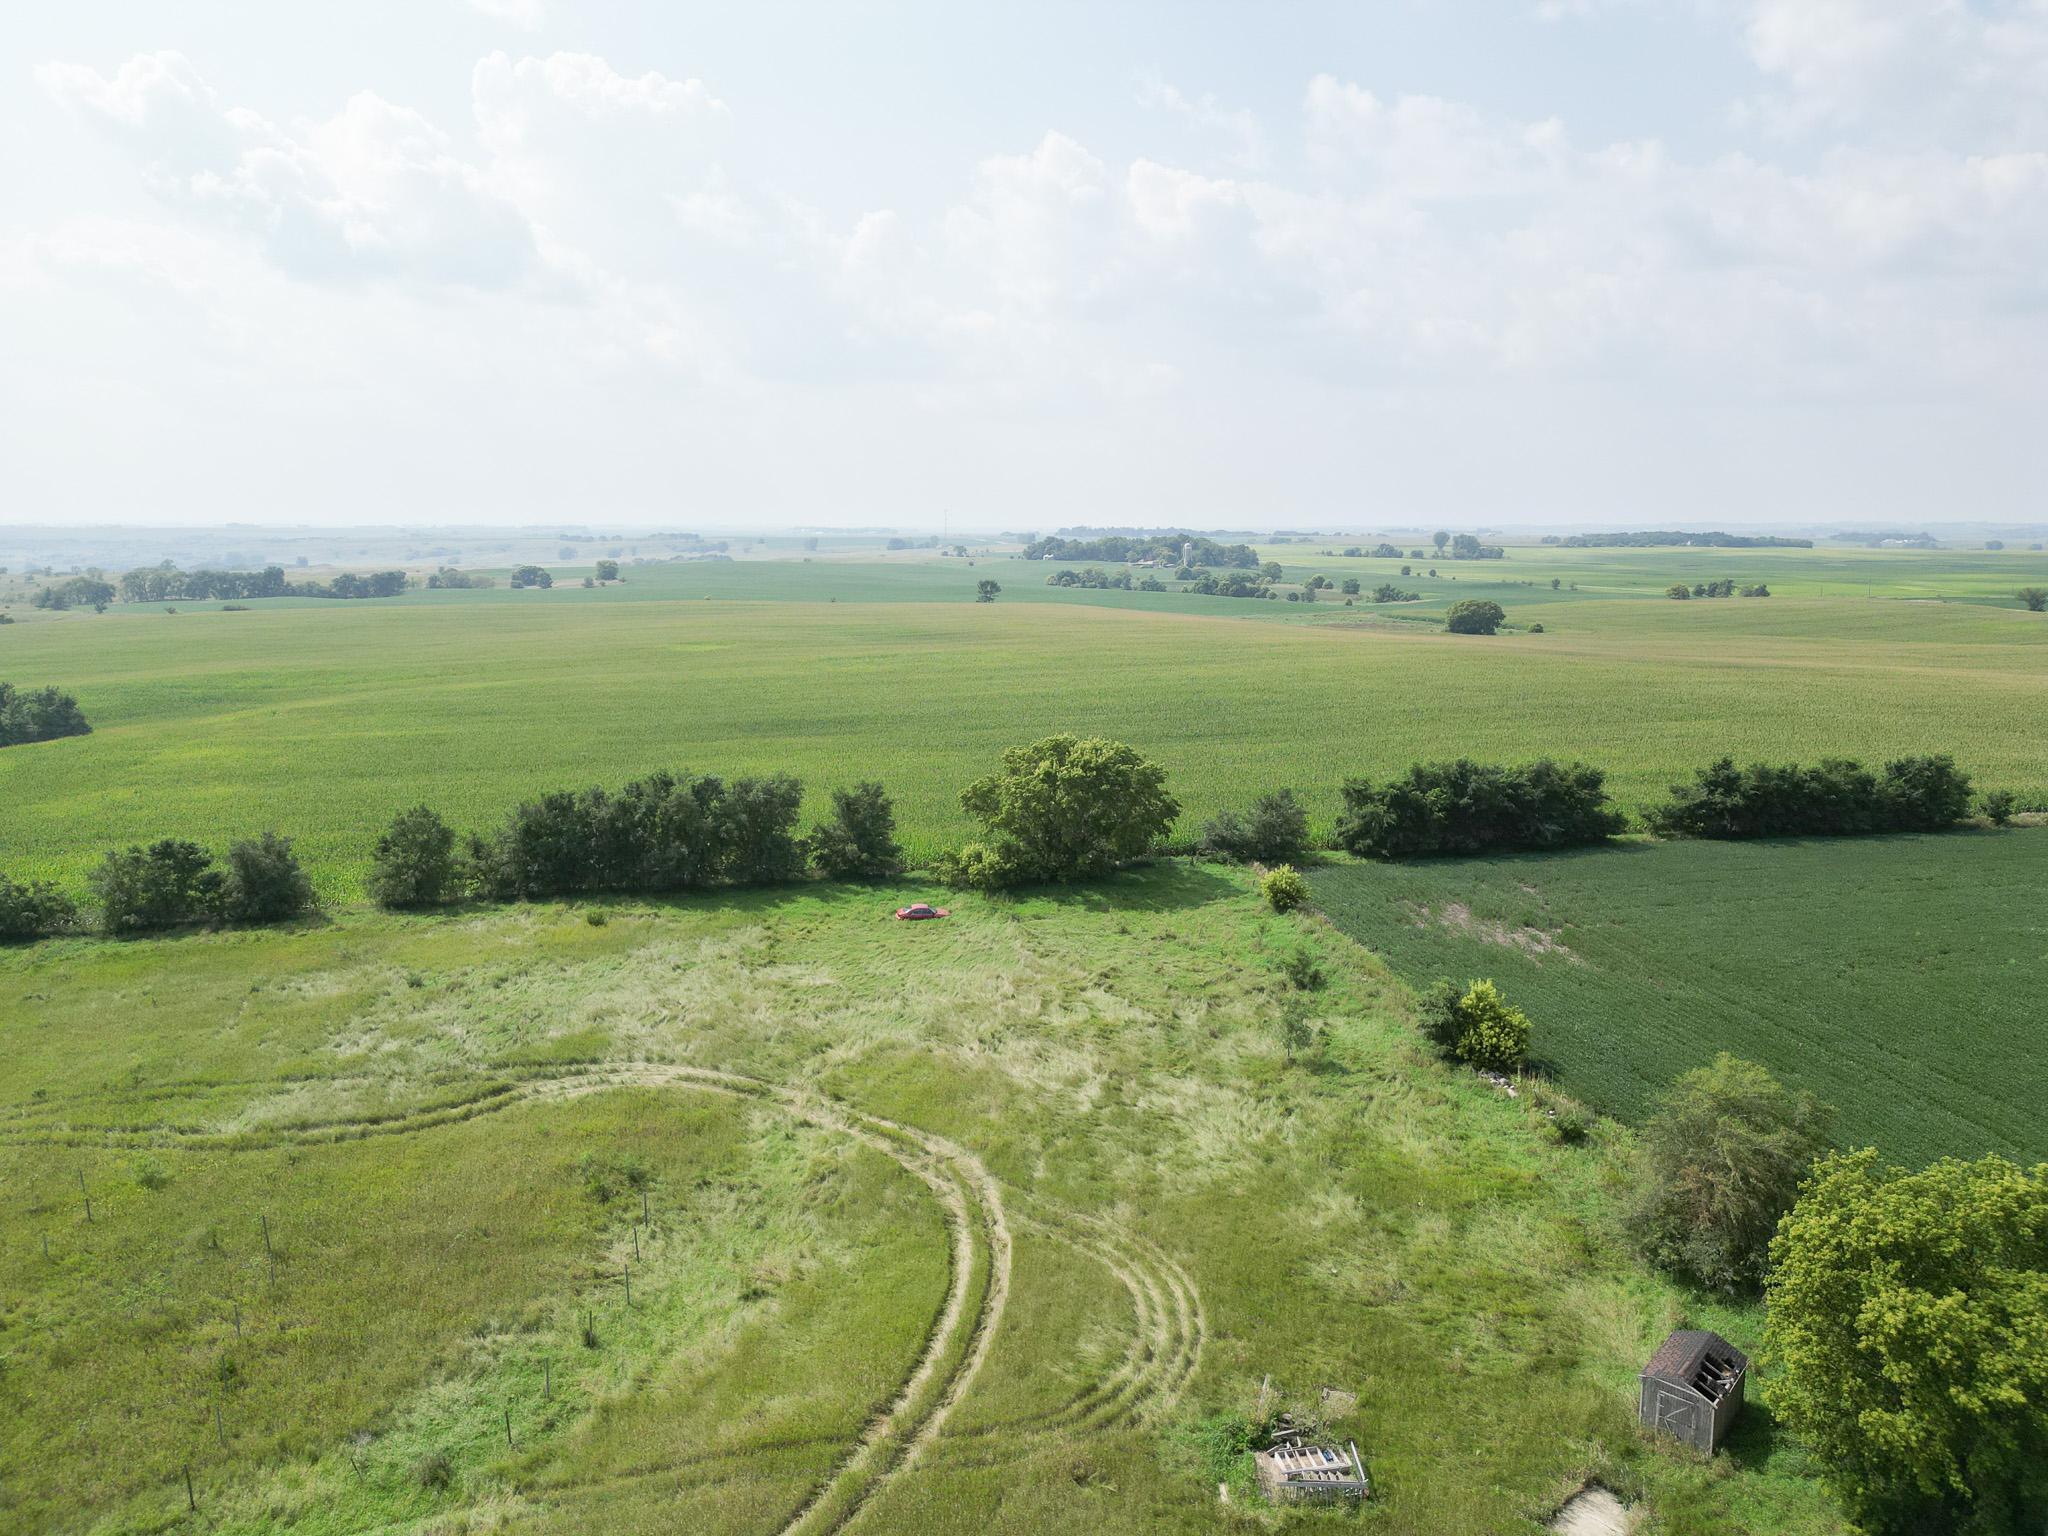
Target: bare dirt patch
pixel 1530 940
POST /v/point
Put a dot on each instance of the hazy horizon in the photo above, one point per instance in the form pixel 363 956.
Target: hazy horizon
pixel 1635 263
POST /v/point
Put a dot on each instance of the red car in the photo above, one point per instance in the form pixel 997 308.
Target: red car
pixel 918 911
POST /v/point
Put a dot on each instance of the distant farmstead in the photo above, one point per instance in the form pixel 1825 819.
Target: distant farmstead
pixel 1300 1473
pixel 1692 1388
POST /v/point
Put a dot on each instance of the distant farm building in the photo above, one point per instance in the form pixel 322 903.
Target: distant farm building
pixel 1692 1388
pixel 1300 1473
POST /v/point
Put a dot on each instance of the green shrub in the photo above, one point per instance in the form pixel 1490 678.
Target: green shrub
pixel 1437 1011
pixel 1837 797
pixel 414 862
pixel 166 885
pixel 975 867
pixel 1493 1033
pixel 1303 972
pixel 1717 1165
pixel 859 842
pixel 1284 888
pixel 1275 828
pixel 33 911
pixel 1465 807
pixel 264 881
pixel 1998 807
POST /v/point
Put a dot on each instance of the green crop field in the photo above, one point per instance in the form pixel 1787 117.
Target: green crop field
pixel 765 1213
pixel 323 719
pixel 1897 978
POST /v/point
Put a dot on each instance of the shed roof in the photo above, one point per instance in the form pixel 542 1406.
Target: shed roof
pixel 1680 1357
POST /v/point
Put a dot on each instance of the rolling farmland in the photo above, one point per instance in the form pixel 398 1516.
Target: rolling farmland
pixel 1894 977
pixel 323 719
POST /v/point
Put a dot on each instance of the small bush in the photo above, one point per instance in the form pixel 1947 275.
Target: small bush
pixel 1478 1026
pixel 1998 807
pixel 434 1470
pixel 976 867
pixel 859 842
pixel 414 862
pixel 1495 1033
pixel 166 885
pixel 151 1174
pixel 41 714
pixel 1535 629
pixel 1437 1011
pixel 33 911
pixel 1303 973
pixel 1284 888
pixel 264 881
pixel 1275 828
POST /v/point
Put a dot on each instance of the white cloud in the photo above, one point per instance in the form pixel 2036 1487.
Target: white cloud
pixel 594 235
pixel 375 191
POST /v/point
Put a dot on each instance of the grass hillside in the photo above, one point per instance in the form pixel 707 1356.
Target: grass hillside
pixel 951 1227
pixel 324 719
pixel 1895 977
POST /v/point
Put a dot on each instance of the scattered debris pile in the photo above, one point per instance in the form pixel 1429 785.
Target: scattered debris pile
pixel 1294 1471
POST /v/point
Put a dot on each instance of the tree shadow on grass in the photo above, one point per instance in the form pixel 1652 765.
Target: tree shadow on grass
pixel 1170 885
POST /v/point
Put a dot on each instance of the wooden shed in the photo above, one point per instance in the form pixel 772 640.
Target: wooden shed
pixel 1692 1388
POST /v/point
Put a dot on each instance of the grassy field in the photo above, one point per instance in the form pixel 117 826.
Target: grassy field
pixel 1894 977
pixel 324 719
pixel 947 1228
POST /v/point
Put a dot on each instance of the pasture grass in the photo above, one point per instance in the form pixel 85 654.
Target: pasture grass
pixel 323 720
pixel 1896 977
pixel 1361 1218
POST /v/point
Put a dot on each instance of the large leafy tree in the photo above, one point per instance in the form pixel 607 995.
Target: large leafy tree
pixel 1908 1328
pixel 1474 616
pixel 1068 809
pixel 1718 1165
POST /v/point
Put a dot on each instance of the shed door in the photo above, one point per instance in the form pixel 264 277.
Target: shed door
pixel 1678 1415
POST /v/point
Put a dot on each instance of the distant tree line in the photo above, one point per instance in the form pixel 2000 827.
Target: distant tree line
pixel 1679 591
pixel 1124 548
pixel 166 583
pixel 74 592
pixel 1836 797
pixel 448 577
pixel 1710 540
pixel 38 714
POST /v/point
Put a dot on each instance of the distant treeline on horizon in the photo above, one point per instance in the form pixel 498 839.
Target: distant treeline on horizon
pixel 1712 540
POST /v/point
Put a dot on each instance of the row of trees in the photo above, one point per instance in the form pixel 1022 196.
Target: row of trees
pixel 1679 591
pixel 74 592
pixel 1837 797
pixel 1655 539
pixel 171 883
pixel 38 714
pixel 1464 807
pixel 1906 1310
pixel 166 583
pixel 659 834
pixel 1163 546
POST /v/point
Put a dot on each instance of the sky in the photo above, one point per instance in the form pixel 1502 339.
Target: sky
pixel 1653 263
